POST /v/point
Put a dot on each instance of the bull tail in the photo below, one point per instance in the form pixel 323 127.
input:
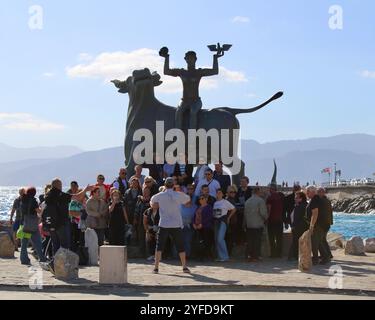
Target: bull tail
pixel 251 110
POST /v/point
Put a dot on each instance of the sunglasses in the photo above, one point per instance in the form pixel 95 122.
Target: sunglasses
pixel 202 199
pixel 231 192
pixel 101 179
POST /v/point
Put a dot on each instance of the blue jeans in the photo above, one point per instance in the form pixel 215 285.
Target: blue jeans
pixel 37 243
pixel 221 246
pixel 187 233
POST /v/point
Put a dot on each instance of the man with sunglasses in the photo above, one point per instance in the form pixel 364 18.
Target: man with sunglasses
pixel 121 183
pixel 103 188
pixel 213 185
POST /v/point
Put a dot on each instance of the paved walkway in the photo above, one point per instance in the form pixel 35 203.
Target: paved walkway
pixel 270 275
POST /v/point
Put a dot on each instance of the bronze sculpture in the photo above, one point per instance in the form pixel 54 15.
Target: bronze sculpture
pixel 191 102
pixel 145 110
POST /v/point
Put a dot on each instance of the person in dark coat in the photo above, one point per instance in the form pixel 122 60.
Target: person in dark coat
pixel 131 198
pixel 327 212
pixel 222 177
pixel 183 171
pixel 298 222
pixel 118 219
pixel 289 204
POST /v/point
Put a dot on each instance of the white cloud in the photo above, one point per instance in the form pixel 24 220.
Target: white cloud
pixel 48 74
pixel 120 64
pixel 84 57
pixel 241 19
pixel 251 95
pixel 368 74
pixel 27 122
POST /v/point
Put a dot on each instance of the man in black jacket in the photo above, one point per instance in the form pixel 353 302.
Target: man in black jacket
pixel 289 204
pixel 121 183
pixel 56 215
pixel 328 215
pixel 222 177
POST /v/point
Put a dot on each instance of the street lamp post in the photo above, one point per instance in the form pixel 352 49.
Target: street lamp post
pixel 336 174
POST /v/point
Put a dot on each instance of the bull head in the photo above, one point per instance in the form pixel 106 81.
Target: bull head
pixel 138 75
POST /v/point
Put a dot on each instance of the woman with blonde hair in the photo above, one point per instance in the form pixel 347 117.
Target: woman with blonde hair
pixel 151 184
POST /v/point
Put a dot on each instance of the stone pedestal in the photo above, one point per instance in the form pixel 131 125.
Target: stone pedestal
pixel 287 242
pixel 113 265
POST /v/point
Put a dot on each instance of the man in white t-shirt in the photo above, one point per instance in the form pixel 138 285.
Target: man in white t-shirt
pixel 169 204
pixel 209 180
pixel 223 213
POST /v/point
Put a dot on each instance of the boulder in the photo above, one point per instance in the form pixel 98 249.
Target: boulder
pixel 336 241
pixel 355 247
pixel 6 245
pixel 66 264
pixel 91 243
pixel 369 245
pixel 304 254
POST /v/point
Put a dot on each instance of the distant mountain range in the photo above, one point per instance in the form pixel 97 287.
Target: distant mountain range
pixel 10 154
pixel 297 160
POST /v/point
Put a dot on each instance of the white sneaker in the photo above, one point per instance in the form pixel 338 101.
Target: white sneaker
pixel 151 258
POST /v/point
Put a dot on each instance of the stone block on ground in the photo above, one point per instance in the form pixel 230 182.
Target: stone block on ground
pixel 287 243
pixel 355 247
pixel 6 245
pixel 304 254
pixel 113 265
pixel 91 243
pixel 66 264
pixel 369 245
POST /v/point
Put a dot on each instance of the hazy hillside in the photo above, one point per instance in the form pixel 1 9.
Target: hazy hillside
pixel 356 143
pixel 8 153
pixel 299 160
pixel 83 167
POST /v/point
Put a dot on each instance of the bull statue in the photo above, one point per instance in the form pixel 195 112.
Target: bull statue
pixel 145 110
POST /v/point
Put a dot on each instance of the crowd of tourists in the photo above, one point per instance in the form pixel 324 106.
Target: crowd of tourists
pixel 172 213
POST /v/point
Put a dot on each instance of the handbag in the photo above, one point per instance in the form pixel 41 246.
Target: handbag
pixel 30 222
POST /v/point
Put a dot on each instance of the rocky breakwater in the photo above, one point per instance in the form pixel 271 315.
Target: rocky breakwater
pixel 361 204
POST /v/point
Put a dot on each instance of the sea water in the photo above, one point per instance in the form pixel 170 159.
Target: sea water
pixel 348 225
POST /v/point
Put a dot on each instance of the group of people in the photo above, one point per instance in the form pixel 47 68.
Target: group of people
pixel 202 216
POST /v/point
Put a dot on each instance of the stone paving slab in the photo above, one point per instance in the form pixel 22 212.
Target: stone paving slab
pixel 358 275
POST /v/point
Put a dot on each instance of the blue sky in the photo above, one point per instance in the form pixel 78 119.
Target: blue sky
pixel 54 82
